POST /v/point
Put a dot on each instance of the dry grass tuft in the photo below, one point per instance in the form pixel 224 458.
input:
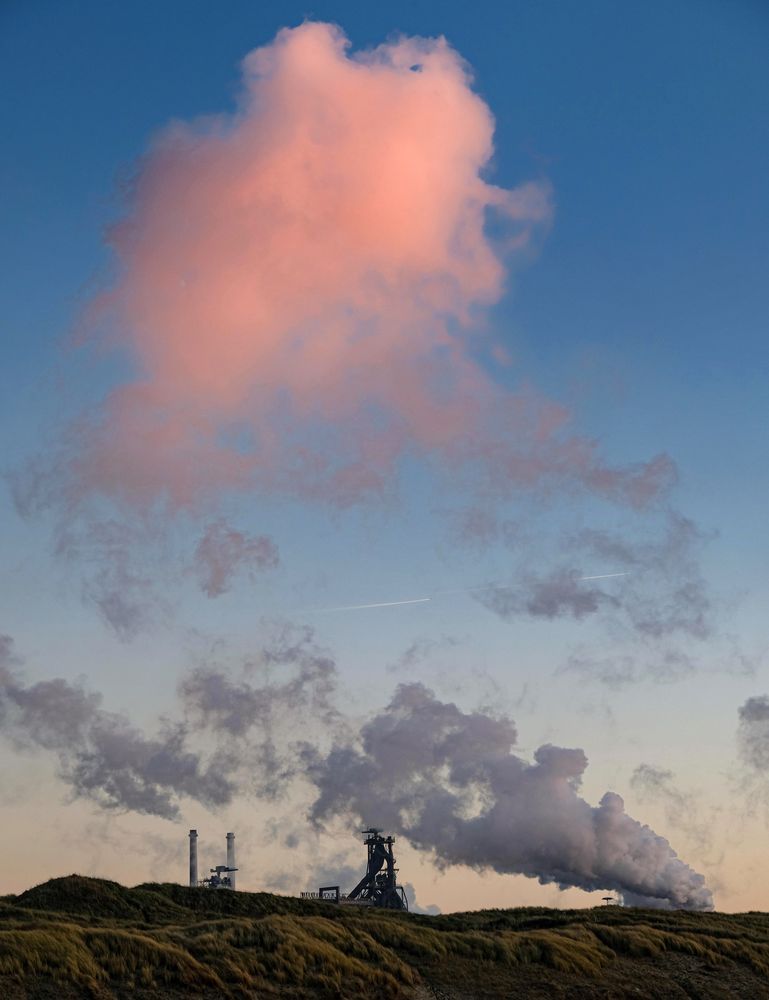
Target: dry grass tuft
pixel 89 937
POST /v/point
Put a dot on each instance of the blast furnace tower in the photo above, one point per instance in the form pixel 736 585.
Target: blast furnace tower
pixel 379 885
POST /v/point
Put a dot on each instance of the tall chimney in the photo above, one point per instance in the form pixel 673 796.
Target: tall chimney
pixel 193 858
pixel 231 857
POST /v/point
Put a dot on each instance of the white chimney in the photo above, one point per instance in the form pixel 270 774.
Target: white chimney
pixel 193 858
pixel 231 857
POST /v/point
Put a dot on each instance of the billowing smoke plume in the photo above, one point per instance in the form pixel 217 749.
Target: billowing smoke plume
pixel 255 718
pixel 297 283
pixel 102 756
pixel 450 782
pixel 223 551
pixel 447 780
pixel 643 587
pixel 306 680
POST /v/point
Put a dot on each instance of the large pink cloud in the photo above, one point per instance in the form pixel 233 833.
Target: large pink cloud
pixel 298 283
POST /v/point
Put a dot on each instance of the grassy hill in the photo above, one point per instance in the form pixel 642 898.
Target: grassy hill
pixel 81 937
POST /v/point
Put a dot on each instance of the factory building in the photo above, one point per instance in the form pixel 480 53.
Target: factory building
pixel 219 877
pixel 378 887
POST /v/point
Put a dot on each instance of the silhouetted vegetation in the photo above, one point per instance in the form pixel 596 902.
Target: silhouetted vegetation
pixel 77 936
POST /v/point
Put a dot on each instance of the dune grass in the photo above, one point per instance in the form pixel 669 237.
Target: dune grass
pixel 96 938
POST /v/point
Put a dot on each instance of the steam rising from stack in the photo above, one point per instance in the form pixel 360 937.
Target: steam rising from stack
pixel 422 765
pixel 447 780
pixel 101 754
pixel 296 284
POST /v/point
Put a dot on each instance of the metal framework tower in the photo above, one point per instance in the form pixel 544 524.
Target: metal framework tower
pixel 379 885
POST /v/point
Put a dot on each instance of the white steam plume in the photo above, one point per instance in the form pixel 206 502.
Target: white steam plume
pixel 449 781
pixel 451 784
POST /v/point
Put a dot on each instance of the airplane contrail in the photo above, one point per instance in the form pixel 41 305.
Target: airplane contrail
pixel 426 600
pixel 379 604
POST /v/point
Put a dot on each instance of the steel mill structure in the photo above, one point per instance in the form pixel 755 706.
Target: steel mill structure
pixel 220 877
pixel 379 886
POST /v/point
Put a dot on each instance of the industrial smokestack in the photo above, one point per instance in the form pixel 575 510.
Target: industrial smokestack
pixel 231 858
pixel 193 858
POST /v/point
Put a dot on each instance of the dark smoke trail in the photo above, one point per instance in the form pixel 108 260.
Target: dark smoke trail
pixel 102 756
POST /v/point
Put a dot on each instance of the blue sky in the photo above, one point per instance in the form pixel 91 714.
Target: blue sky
pixel 649 120
pixel 644 309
